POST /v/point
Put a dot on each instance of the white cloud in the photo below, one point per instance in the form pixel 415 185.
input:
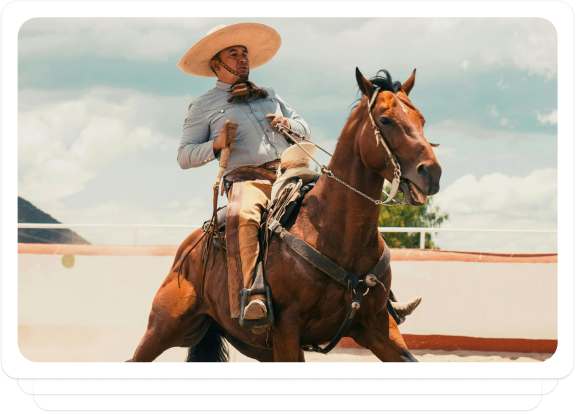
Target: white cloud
pixel 504 121
pixel 466 131
pixel 64 144
pixel 501 83
pixel 528 44
pixel 498 201
pixel 443 151
pixel 532 196
pixel 548 119
pixel 494 112
pixel 139 39
pixel 193 212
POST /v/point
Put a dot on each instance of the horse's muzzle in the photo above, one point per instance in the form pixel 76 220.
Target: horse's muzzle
pixel 430 172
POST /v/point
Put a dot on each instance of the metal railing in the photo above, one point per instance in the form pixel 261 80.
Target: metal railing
pixel 421 230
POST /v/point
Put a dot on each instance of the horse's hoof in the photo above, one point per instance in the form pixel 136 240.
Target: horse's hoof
pixel 405 309
pixel 255 310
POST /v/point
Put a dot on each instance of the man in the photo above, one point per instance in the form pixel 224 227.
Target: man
pixel 228 53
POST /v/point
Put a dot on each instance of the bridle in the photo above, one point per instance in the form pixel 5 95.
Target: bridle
pixel 390 201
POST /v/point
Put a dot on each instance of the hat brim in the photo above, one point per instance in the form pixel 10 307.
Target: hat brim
pixel 294 152
pixel 261 41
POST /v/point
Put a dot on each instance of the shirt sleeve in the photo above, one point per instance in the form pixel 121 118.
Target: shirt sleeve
pixel 195 148
pixel 296 122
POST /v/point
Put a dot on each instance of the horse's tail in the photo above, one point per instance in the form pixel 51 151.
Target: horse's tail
pixel 211 348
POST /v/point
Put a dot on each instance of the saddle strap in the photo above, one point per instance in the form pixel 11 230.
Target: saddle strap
pixel 321 262
pixel 356 286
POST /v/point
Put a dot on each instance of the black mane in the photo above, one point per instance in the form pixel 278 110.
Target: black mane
pixel 385 83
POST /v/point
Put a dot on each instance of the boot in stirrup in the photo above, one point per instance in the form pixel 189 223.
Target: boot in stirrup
pixel 256 309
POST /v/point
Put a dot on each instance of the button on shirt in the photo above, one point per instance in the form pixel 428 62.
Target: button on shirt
pixel 256 141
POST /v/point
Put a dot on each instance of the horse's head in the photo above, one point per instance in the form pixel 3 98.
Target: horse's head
pixel 401 125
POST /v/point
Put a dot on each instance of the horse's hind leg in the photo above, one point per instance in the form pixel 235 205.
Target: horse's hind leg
pixel 173 320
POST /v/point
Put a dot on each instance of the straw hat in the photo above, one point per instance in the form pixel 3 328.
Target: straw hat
pixel 261 40
pixel 291 155
pixel 295 153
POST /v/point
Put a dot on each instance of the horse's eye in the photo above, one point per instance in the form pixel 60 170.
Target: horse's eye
pixel 385 121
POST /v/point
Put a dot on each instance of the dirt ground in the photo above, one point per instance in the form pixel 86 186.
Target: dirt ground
pixel 88 344
pixel 428 355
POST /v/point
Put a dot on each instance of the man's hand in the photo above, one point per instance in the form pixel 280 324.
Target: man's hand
pixel 278 119
pixel 226 137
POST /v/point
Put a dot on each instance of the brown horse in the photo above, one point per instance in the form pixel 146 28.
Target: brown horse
pixel 309 306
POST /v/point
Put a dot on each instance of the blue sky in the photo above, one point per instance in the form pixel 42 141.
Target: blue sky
pixel 102 103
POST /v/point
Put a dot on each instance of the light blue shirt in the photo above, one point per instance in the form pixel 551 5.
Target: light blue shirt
pixel 256 141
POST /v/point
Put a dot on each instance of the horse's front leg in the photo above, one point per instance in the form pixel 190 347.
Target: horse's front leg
pixel 380 334
pixel 286 342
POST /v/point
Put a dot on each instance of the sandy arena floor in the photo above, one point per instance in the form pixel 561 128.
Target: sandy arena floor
pixel 87 344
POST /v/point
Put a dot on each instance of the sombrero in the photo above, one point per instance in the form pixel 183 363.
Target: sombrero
pixel 261 41
pixel 295 152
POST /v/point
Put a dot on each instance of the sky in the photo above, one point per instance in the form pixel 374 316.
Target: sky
pixel 102 104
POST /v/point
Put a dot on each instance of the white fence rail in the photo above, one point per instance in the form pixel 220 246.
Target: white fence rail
pixel 421 230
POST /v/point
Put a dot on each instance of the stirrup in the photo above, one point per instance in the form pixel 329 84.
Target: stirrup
pixel 259 287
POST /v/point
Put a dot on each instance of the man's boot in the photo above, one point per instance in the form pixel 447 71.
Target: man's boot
pixel 406 308
pixel 256 309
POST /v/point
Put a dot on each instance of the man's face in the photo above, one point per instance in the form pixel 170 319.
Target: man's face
pixel 237 58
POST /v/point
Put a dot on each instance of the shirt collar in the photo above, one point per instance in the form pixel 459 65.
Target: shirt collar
pixel 223 86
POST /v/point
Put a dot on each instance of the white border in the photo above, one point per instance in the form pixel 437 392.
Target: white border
pixel 558 13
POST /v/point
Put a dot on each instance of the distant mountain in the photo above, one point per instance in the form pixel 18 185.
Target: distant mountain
pixel 28 213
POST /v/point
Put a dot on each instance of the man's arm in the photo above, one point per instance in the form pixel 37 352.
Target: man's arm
pixel 196 148
pixel 296 122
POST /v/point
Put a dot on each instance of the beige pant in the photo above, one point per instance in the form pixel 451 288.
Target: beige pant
pixel 255 198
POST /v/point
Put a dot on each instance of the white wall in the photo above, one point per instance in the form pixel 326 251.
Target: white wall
pixel 494 300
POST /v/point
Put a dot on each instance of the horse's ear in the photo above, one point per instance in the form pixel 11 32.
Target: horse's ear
pixel 364 84
pixel 409 84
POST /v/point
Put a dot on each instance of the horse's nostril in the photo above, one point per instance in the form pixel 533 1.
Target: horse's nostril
pixel 423 172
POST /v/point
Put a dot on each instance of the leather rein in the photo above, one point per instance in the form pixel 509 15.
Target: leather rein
pixel 390 201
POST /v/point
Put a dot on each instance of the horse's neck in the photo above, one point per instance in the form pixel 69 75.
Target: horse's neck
pixel 345 223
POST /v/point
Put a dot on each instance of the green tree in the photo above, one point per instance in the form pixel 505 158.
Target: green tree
pixel 410 216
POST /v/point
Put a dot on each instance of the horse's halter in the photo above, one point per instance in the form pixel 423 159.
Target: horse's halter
pixel 380 138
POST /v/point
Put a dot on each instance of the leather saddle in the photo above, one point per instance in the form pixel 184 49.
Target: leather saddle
pixel 291 210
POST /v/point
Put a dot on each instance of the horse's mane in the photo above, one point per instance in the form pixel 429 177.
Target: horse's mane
pixel 385 83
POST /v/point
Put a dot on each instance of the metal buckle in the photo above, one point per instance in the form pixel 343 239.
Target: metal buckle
pixel 273 224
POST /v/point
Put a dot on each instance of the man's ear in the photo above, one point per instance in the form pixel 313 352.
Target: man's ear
pixel 364 84
pixel 409 84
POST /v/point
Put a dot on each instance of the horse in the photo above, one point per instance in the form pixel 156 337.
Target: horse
pixel 309 307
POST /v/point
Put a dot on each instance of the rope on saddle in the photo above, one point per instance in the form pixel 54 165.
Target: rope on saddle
pixel 357 286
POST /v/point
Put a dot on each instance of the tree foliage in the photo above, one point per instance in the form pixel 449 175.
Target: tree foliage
pixel 425 215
